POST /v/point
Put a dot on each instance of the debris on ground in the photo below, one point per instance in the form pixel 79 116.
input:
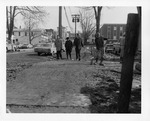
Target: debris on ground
pixel 99 84
pixel 104 94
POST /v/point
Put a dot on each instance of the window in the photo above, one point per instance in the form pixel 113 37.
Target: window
pixel 19 33
pixel 108 32
pixel 25 33
pixel 92 40
pixel 114 37
pixel 108 28
pixel 115 33
pixel 121 28
pixel 121 31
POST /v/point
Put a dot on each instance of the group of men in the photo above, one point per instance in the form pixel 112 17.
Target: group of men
pixel 68 46
pixel 78 43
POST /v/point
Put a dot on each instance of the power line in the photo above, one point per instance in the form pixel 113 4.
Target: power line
pixel 70 10
pixel 68 20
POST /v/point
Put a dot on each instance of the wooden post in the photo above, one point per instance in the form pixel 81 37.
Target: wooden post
pixel 131 41
pixel 60 21
pixel 75 25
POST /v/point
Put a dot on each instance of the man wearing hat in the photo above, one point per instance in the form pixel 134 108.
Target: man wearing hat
pixel 68 46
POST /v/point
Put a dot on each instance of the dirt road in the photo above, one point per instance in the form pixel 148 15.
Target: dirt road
pixel 52 83
pixel 61 86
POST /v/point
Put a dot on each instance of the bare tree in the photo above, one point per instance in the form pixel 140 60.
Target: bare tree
pixel 10 15
pixel 31 22
pixel 97 11
pixel 87 25
pixel 13 11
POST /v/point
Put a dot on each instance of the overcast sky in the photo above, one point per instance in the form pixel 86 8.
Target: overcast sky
pixel 108 15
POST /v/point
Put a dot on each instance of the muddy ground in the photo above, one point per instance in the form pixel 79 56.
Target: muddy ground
pixel 41 84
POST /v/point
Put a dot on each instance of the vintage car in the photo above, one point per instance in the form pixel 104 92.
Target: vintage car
pixel 109 48
pixel 22 46
pixel 45 48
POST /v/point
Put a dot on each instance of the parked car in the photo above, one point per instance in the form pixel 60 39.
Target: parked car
pixel 10 47
pixel 117 48
pixel 23 46
pixel 30 46
pixel 46 48
pixel 109 48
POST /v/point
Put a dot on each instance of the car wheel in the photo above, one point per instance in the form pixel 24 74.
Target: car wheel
pixel 50 54
pixel 39 53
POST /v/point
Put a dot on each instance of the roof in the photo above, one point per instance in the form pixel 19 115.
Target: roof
pixel 23 30
pixel 114 24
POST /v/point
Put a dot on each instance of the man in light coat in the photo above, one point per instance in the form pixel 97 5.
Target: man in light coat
pixel 58 44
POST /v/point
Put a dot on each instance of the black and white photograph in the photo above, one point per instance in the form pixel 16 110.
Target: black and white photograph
pixel 74 59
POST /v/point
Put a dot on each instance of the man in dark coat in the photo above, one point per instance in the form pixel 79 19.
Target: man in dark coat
pixel 68 46
pixel 78 44
pixel 99 41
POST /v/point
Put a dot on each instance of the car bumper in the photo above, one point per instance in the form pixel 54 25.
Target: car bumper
pixel 42 50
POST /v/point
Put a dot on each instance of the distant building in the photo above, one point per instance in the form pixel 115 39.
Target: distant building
pixel 113 31
pixel 109 31
pixel 22 35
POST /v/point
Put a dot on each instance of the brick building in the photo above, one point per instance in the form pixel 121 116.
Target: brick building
pixel 112 31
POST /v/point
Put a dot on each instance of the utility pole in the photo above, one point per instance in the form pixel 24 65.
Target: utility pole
pixel 75 18
pixel 131 41
pixel 60 21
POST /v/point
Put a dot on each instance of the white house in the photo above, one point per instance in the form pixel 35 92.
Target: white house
pixel 22 35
